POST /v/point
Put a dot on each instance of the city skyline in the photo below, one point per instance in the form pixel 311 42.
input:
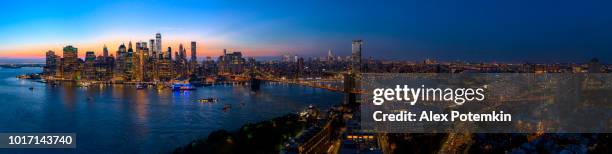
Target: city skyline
pixel 318 76
pixel 554 31
pixel 161 47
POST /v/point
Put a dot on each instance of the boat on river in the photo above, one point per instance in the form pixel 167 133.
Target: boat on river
pixel 140 86
pixel 226 107
pixel 182 86
pixel 208 100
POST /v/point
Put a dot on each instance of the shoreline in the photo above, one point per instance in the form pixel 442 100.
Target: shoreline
pixel 264 136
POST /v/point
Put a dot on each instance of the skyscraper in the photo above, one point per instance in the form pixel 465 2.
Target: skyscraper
pixel 193 51
pixel 140 57
pixel 330 56
pixel 121 51
pixel 153 49
pixel 158 43
pixel 89 70
pixel 105 51
pixel 182 53
pixel 231 63
pixel 128 61
pixel 169 53
pixel 50 63
pixel 70 55
pixel 120 61
pixel 356 56
pixel 130 47
pixel 90 56
pixel 71 62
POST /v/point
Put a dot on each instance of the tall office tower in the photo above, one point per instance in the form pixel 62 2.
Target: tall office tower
pixel 193 51
pixel 356 56
pixel 105 51
pixel 120 60
pixel 143 45
pixel 158 42
pixel 180 65
pixel 300 67
pixel 164 68
pixel 121 51
pixel 138 46
pixel 232 63
pixel 224 54
pixel 128 62
pixel 71 62
pixel 139 61
pixel 70 55
pixel 169 53
pixel 182 53
pixel 330 57
pixel 152 49
pixel 50 63
pixel 50 57
pixel 105 64
pixel 222 63
pixel 145 64
pixel 89 70
pixel 130 47
pixel 90 56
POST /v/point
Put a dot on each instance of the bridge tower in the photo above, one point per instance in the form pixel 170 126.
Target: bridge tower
pixel 254 82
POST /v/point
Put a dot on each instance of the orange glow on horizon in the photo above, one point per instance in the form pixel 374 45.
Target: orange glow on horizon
pixel 203 50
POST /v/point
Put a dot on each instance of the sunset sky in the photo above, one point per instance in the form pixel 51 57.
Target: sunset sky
pixel 518 30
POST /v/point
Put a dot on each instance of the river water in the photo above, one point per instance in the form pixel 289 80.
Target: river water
pixel 119 118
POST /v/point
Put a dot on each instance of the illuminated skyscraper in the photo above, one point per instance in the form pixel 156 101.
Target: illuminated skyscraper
pixel 153 49
pixel 140 57
pixel 121 51
pixel 158 44
pixel 182 53
pixel 70 55
pixel 193 63
pixel 70 63
pixel 356 56
pixel 90 56
pixel 89 70
pixel 168 54
pixel 105 51
pixel 164 67
pixel 330 56
pixel 120 61
pixel 130 47
pixel 129 63
pixel 180 64
pixel 50 63
pixel 193 51
pixel 231 63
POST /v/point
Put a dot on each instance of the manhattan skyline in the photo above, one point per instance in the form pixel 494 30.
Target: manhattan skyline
pixel 548 31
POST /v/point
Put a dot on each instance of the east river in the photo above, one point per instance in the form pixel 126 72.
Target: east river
pixel 122 119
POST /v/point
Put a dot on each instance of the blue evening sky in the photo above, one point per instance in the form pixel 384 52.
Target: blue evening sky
pixel 473 30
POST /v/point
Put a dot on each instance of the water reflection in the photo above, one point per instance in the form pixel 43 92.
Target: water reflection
pixel 141 108
pixel 119 118
pixel 69 96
